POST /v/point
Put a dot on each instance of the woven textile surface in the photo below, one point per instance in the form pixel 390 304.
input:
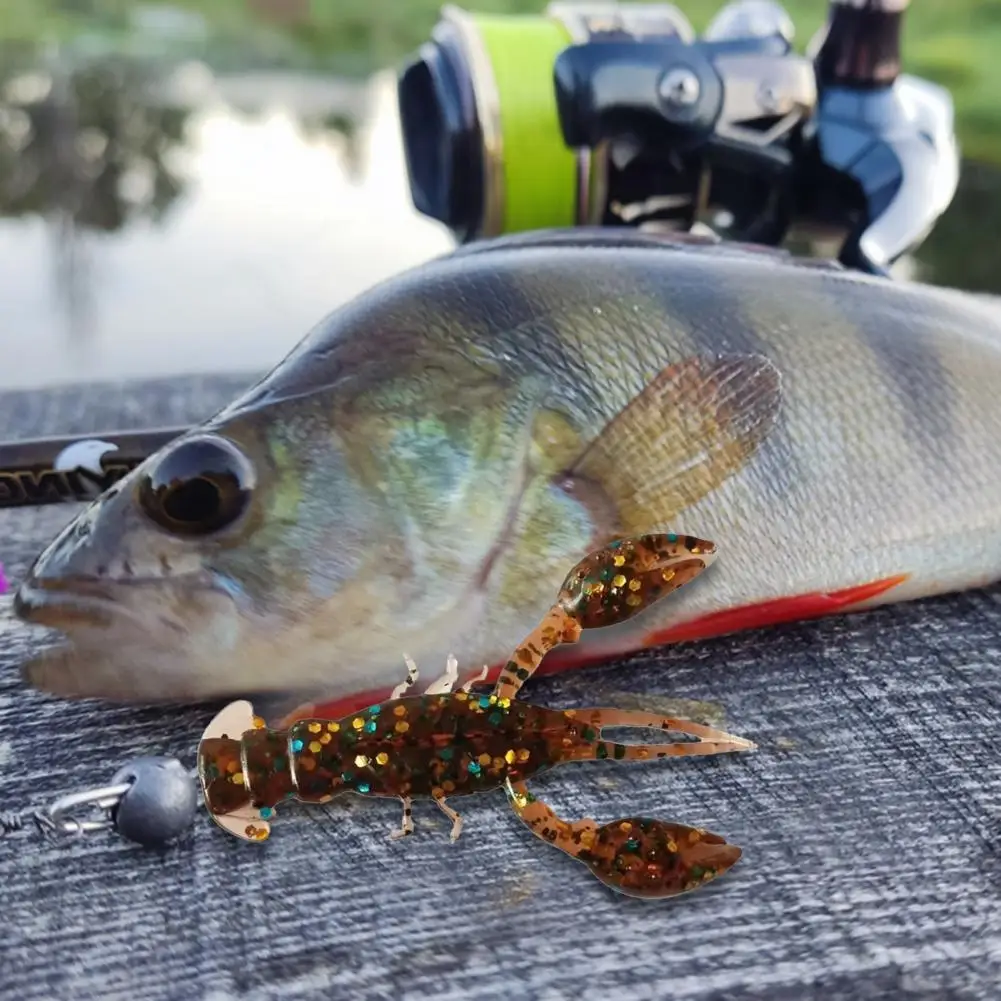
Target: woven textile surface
pixel 870 819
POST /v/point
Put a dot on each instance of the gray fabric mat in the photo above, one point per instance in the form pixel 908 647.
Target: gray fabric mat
pixel 870 819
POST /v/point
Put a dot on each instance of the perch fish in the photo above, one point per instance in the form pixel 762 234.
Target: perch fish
pixel 418 474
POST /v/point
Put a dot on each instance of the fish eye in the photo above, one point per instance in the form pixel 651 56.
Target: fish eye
pixel 199 487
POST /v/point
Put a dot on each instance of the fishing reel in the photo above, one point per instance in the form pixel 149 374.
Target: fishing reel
pixel 619 115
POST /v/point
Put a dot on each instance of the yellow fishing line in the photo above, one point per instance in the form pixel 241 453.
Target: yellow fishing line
pixel 540 172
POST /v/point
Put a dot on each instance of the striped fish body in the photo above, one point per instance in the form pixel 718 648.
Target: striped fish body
pixel 435 455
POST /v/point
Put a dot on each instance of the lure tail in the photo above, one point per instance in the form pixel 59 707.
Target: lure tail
pixel 585 725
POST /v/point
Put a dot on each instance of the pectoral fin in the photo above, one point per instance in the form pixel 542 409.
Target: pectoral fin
pixel 696 424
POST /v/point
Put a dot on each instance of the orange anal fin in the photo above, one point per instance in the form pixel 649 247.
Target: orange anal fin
pixel 771 613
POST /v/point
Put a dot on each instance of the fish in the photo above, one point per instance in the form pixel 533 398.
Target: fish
pixel 416 477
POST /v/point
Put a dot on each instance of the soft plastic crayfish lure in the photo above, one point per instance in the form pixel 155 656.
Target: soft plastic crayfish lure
pixel 445 744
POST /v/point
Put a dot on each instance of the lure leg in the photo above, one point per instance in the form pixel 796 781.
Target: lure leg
pixel 404 686
pixel 557 627
pixel 310 709
pixel 540 818
pixel 475 679
pixel 451 814
pixel 443 685
pixel 638 856
pixel 406 828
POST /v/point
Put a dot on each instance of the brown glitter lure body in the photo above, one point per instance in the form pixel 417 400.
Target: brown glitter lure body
pixel 444 744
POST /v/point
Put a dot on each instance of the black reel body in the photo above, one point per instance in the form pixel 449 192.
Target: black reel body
pixel 692 130
pixel 731 131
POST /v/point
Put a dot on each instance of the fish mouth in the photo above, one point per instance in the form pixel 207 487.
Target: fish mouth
pixel 73 603
pixel 129 640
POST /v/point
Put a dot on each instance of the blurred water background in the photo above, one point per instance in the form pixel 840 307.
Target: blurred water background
pixel 190 186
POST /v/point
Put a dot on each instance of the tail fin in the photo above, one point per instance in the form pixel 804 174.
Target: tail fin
pixel 221 762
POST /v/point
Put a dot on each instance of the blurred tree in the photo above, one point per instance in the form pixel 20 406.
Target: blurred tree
pixel 86 149
pixel 286 11
pixel 88 142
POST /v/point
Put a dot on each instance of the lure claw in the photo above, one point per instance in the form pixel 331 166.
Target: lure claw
pixel 620 580
pixel 644 857
pixel 637 856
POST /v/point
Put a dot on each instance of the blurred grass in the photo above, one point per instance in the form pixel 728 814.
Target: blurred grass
pixel 956 43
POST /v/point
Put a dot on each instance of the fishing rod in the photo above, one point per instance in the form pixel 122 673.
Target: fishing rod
pixel 619 115
pixel 73 468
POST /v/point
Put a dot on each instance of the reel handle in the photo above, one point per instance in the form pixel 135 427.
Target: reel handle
pixel 890 134
pixel 859 46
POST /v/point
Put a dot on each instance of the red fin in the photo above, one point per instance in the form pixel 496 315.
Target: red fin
pixel 770 613
pixel 565 658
